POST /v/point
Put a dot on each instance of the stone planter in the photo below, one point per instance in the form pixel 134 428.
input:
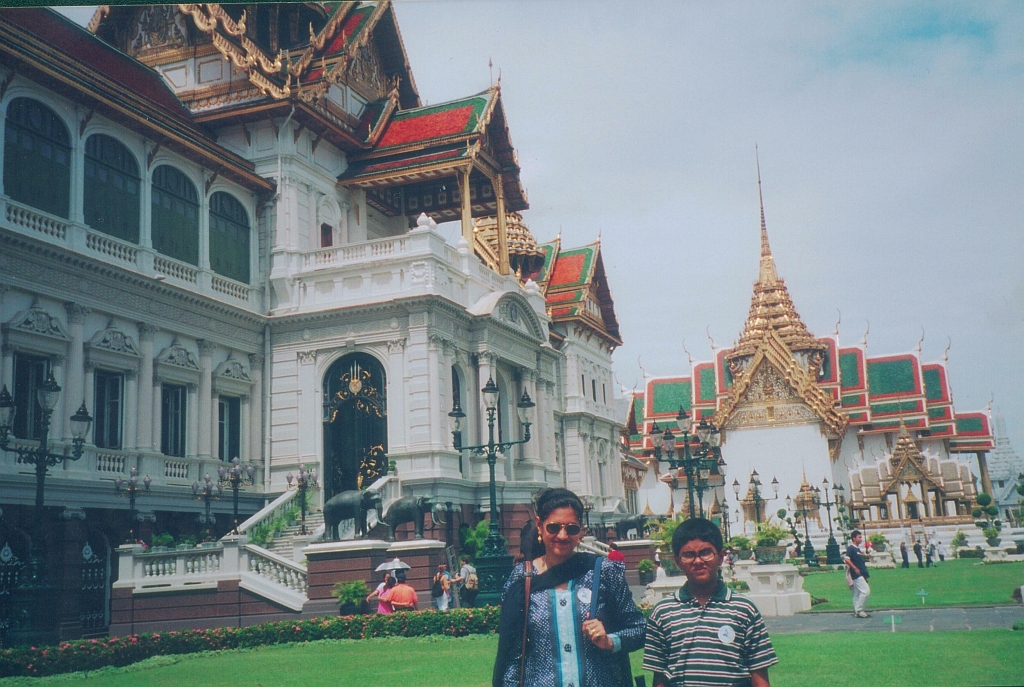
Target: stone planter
pixel 993 541
pixel 770 555
pixel 646 577
pixel 1020 545
pixel 880 548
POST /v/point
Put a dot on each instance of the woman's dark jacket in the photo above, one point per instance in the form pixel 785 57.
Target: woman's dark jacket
pixel 615 608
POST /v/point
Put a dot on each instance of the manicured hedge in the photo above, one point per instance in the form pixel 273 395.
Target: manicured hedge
pixel 91 654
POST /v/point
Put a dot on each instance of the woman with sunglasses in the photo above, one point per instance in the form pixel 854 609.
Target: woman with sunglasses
pixel 559 629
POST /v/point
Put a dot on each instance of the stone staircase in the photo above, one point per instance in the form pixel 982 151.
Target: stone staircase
pixel 284 545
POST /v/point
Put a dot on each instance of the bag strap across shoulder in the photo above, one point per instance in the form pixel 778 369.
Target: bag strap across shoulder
pixel 595 587
pixel 528 566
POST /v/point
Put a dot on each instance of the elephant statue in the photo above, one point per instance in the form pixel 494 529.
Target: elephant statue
pixel 350 505
pixel 407 509
pixel 636 522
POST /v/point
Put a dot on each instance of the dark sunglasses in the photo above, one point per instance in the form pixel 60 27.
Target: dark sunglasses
pixel 572 529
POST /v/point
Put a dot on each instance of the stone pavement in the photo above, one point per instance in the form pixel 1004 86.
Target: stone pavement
pixel 907 620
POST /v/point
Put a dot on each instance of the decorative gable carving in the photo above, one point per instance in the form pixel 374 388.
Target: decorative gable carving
pixel 232 377
pixel 37 331
pixel 176 364
pixel 112 348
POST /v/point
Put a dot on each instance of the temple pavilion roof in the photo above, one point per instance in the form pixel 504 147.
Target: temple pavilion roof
pixel 576 288
pixel 525 256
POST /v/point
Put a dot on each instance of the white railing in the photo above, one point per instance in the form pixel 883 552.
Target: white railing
pixel 593 546
pixel 175 269
pixel 275 569
pixel 368 250
pixel 111 248
pixel 176 469
pixel 33 221
pixel 269 511
pixel 230 288
pixel 110 462
pixel 257 570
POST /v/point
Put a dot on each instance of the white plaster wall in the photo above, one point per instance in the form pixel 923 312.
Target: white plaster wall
pixel 784 453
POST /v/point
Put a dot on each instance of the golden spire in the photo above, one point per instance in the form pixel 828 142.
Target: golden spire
pixel 770 305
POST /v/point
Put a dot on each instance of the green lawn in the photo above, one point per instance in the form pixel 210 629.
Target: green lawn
pixel 984 657
pixel 953 583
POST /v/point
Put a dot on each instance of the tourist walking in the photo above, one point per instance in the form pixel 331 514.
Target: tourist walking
pixel 941 548
pixel 857 570
pixel 468 581
pixel 402 597
pixel 917 552
pixel 904 554
pixel 439 593
pixel 383 607
pixel 929 553
pixel 567 618
pixel 706 634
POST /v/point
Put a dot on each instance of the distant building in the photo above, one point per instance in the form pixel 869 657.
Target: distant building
pixel 799 409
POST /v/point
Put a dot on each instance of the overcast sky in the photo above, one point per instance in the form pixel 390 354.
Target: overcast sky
pixel 891 139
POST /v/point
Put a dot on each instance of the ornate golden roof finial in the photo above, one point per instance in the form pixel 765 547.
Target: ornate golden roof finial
pixel 920 341
pixel 838 321
pixel 945 353
pixel 767 274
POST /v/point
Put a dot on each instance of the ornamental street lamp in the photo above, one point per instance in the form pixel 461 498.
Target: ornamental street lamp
pixel 306 481
pixel 207 491
pixel 33 599
pixel 832 548
pixel 131 489
pixel 805 509
pixel 754 489
pixel 493 562
pixel 697 469
pixel 233 478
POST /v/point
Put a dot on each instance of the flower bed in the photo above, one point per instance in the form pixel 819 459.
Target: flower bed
pixel 91 654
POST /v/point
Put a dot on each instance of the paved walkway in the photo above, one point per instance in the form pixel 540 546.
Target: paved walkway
pixel 907 620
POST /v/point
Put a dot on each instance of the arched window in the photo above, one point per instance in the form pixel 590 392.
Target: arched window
pixel 229 237
pixel 111 188
pixel 175 211
pixel 37 157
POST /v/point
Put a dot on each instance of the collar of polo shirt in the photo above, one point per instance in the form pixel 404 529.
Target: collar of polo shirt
pixel 722 593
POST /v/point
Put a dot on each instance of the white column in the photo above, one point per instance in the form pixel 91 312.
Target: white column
pixel 434 392
pixel 397 419
pixel 243 431
pixel 156 414
pixel 486 369
pixel 90 388
pixel 58 365
pixel 192 417
pixel 7 360
pixel 74 393
pixel 147 409
pixel 130 414
pixel 205 417
pixel 531 449
pixel 256 410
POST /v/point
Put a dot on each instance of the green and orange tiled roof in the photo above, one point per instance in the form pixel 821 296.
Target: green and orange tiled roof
pixel 426 125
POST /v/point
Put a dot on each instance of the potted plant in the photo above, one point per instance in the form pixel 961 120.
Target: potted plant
pixel 186 541
pixel 646 570
pixel 986 513
pixel 878 542
pixel 959 541
pixel 162 542
pixel 741 545
pixel 766 544
pixel 351 596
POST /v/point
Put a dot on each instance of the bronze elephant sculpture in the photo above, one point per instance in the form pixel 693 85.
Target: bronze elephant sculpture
pixel 407 509
pixel 350 505
pixel 637 522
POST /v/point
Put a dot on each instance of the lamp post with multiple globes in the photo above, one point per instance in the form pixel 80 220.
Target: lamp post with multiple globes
pixel 234 478
pixel 493 562
pixel 33 598
pixel 304 482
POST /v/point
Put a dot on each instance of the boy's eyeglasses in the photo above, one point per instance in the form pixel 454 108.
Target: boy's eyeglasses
pixel 705 555
pixel 572 529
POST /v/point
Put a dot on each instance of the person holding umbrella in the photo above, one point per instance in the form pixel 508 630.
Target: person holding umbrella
pixel 383 607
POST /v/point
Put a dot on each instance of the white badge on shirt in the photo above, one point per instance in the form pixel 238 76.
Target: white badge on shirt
pixel 726 634
pixel 583 595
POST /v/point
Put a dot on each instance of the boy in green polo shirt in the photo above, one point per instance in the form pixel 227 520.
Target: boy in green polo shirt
pixel 706 634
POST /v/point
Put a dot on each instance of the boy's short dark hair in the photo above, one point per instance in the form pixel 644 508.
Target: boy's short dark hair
pixel 696 528
pixel 855 533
